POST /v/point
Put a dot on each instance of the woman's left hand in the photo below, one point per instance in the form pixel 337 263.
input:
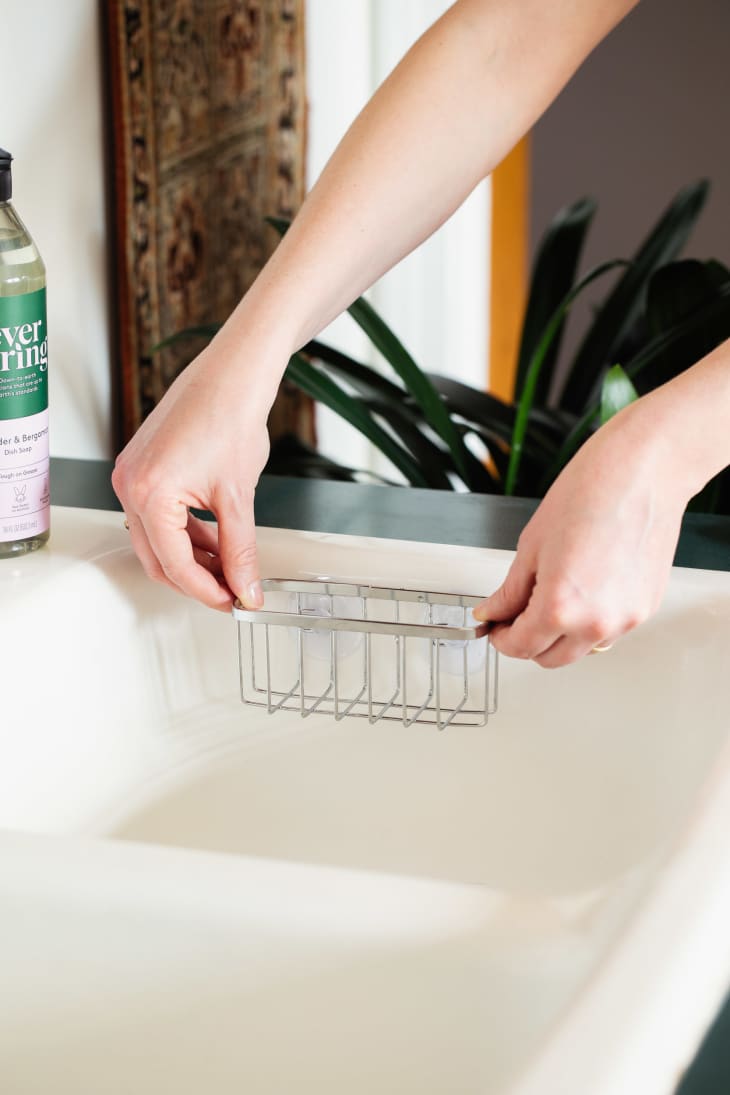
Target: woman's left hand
pixel 594 560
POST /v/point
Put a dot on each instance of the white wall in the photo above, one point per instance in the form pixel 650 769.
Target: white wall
pixel 645 115
pixel 50 120
pixel 436 300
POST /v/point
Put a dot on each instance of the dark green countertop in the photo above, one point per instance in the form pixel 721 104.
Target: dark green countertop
pixel 429 517
pixel 435 517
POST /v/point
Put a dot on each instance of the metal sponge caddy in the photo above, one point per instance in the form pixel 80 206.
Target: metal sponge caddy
pixel 345 649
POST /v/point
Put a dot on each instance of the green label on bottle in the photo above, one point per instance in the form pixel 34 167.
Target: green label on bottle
pixel 23 355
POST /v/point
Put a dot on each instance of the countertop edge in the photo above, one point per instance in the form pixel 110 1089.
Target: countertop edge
pixel 397 513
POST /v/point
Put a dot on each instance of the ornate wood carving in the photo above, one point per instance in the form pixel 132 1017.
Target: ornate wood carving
pixel 207 125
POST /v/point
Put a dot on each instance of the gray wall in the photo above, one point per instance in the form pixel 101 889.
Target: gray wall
pixel 648 112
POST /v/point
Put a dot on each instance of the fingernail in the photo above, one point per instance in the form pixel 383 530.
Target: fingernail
pixel 254 596
pixel 480 612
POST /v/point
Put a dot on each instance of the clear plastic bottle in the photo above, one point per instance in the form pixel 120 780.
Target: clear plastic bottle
pixel 24 463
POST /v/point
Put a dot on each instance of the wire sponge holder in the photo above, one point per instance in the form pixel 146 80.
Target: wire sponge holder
pixel 352 649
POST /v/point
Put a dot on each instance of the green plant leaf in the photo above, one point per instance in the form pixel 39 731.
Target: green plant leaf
pixel 280 224
pixel 472 404
pixel 617 392
pixel 651 352
pixel 321 387
pixel 717 272
pixel 405 417
pixel 675 293
pixel 626 299
pixel 363 378
pixel 312 469
pixel 680 288
pixel 715 311
pixel 204 330
pixel 433 457
pixel 488 412
pixel 709 498
pixel 292 456
pixel 416 381
pixel 525 404
pixel 433 461
pixel 552 278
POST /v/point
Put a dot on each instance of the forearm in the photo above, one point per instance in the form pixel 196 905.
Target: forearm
pixel 459 100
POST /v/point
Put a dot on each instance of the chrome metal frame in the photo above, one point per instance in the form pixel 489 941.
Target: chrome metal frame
pixel 466 697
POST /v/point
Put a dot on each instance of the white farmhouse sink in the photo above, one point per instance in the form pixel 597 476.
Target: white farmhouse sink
pixel 196 896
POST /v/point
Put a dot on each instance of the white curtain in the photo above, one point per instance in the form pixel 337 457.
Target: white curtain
pixel 437 299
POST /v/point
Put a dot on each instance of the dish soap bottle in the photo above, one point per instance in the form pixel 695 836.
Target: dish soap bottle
pixel 24 464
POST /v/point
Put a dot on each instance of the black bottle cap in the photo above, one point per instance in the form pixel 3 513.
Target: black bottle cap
pixel 6 176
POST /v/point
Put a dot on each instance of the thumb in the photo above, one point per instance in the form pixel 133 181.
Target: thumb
pixel 512 596
pixel 239 559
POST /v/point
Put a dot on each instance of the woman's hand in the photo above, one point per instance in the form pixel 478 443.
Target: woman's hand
pixel 204 445
pixel 594 560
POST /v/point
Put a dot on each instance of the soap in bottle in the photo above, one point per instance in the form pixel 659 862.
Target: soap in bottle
pixel 24 463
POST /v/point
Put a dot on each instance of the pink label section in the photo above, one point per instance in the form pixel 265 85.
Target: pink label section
pixel 25 503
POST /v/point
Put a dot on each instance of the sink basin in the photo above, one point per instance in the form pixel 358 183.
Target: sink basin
pixel 196 895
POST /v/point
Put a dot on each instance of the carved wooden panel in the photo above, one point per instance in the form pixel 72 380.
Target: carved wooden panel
pixel 207 123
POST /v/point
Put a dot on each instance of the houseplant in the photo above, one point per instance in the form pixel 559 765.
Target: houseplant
pixel 659 316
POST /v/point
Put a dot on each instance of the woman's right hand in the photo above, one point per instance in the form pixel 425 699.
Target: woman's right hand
pixel 204 445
